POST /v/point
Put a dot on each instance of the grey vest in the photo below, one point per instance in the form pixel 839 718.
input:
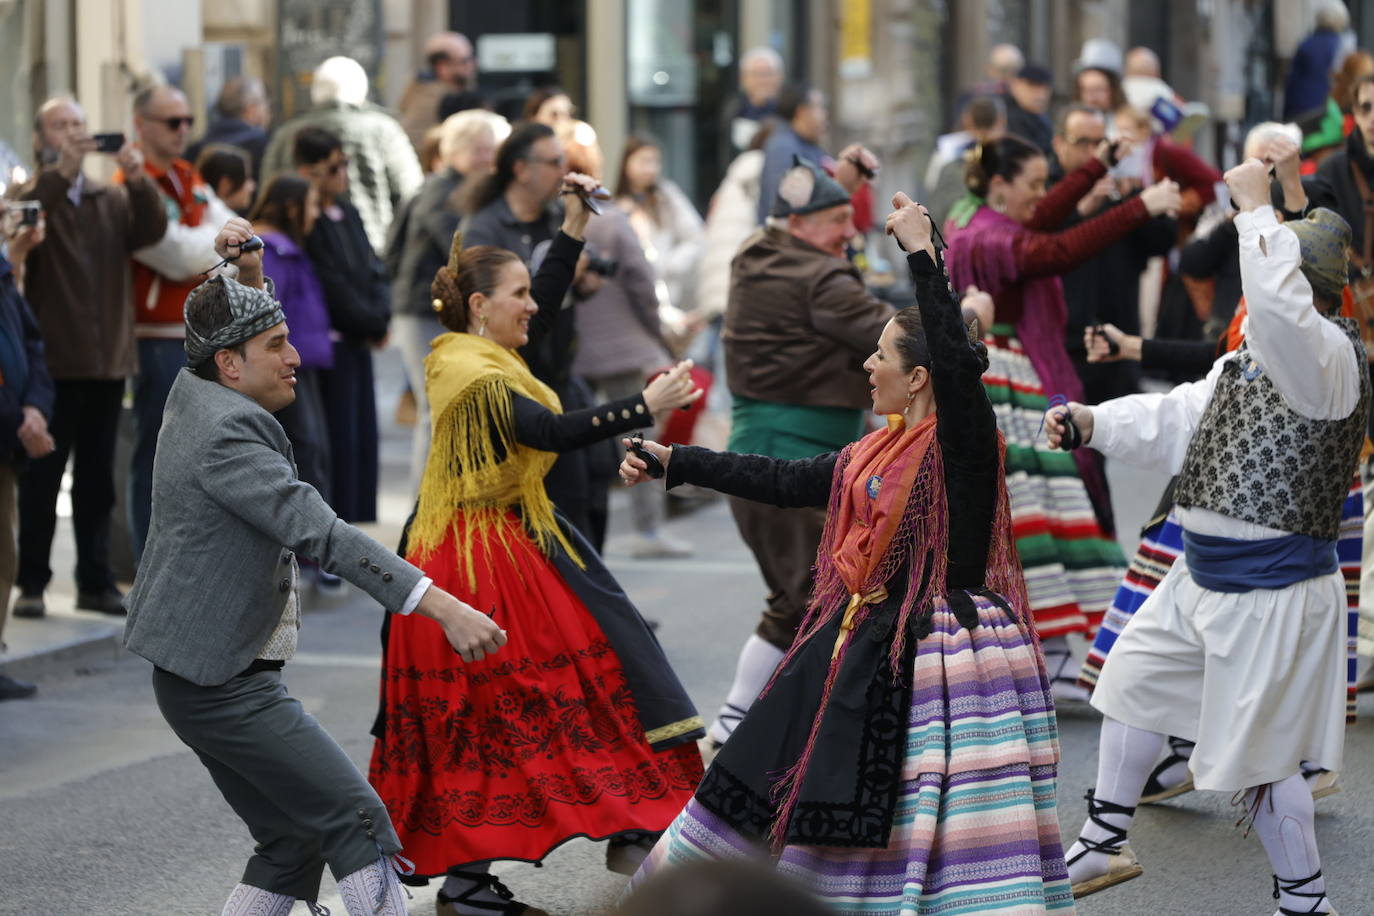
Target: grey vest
pixel 1254 459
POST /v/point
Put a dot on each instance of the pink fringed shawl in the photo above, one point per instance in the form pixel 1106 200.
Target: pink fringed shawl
pixel 871 533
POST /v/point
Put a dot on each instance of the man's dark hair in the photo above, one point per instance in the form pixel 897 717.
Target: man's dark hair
pixel 516 148
pixel 314 145
pixel 985 111
pixel 219 161
pixel 207 311
pixel 1061 127
pixel 792 97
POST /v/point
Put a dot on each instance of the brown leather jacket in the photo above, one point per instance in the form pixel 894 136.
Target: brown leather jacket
pixel 799 324
pixel 77 281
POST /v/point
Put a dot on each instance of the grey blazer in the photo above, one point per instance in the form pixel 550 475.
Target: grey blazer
pixel 215 576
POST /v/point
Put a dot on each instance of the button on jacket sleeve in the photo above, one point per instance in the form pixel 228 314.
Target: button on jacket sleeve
pixel 248 478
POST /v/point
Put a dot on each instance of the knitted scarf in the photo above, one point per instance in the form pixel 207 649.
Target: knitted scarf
pixel 476 466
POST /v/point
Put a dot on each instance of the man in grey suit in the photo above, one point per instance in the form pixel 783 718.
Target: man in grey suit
pixel 214 605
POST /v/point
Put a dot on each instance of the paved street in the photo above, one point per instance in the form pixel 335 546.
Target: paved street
pixel 109 814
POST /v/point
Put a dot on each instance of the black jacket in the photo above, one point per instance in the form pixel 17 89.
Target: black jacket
pixel 233 132
pixel 24 379
pixel 419 241
pixel 353 277
pixel 1029 126
pixel 1334 187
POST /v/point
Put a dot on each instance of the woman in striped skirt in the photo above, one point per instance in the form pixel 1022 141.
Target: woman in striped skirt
pixel 1002 241
pixel 903 760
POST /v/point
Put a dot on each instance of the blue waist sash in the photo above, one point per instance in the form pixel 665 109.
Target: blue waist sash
pixel 1229 565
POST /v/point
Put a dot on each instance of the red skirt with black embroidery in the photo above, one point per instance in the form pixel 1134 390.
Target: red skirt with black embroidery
pixel 510 756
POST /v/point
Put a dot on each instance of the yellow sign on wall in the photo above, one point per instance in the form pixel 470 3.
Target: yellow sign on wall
pixel 856 38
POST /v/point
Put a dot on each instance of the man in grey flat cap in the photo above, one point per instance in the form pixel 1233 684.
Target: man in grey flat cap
pixel 798 325
pixel 214 606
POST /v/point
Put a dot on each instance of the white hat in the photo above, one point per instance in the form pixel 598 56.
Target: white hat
pixel 1099 54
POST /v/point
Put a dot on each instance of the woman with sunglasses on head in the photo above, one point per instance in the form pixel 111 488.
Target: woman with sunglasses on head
pixel 580 729
pixel 903 759
pixel 1004 239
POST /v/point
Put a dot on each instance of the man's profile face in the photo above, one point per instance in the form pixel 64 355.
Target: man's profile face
pixel 829 229
pixel 266 371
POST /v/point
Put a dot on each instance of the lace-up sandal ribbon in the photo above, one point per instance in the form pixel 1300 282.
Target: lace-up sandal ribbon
pixel 1156 791
pixel 483 881
pixel 1122 864
pixel 1289 887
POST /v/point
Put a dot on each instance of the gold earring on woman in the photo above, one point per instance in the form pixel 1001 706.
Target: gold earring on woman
pixel 481 325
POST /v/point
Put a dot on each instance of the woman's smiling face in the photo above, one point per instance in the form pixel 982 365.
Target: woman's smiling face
pixel 507 310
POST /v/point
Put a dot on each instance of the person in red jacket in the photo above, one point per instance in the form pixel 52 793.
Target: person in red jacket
pixel 163 275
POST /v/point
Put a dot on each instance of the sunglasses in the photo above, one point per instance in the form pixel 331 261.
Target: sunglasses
pixel 1364 107
pixel 177 123
pixel 1084 141
pixel 338 166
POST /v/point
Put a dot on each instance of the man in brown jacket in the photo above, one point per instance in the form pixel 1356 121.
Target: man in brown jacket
pixel 77 282
pixel 798 325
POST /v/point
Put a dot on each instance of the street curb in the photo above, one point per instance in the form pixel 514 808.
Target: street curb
pixel 66 657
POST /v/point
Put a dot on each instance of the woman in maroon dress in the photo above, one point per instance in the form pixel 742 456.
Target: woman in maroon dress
pixel 1002 239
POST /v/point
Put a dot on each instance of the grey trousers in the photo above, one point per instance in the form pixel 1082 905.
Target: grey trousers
pixel 784 544
pixel 304 801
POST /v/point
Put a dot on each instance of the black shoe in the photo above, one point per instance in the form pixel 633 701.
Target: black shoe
pixel 29 604
pixel 109 601
pixel 10 689
pixel 508 906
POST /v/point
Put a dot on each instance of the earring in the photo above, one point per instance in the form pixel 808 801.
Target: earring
pixel 482 326
pixel 997 203
pixel 437 305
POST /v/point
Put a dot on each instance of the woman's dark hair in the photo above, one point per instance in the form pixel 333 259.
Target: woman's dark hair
pixel 1113 86
pixel 792 97
pixel 219 162
pixel 313 144
pixel 1003 158
pixel 516 148
pixel 649 197
pixel 478 271
pixel 911 339
pixel 537 98
pixel 763 133
pixel 282 204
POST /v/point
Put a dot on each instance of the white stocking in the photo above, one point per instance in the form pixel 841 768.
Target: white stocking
pixel 1125 757
pixel 373 890
pixel 757 660
pixel 247 900
pixel 1284 821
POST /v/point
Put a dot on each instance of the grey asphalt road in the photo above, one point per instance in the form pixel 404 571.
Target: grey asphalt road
pixel 106 812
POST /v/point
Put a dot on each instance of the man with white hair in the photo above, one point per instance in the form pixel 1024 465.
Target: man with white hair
pixel 760 80
pixel 419 245
pixel 383 170
pixel 450 66
pixel 1309 72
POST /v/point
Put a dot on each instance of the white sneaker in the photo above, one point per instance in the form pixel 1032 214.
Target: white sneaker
pixel 659 546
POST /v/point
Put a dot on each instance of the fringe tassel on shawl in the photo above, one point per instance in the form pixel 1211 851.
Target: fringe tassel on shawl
pixel 478 470
pixel 924 525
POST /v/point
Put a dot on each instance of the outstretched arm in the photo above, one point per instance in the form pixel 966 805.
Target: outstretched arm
pixel 788 484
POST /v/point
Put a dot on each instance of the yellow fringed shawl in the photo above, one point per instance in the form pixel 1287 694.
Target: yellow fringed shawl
pixel 476 467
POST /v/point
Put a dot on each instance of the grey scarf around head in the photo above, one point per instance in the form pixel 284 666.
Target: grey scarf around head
pixel 253 311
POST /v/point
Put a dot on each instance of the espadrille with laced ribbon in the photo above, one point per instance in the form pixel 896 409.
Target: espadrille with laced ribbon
pixel 1122 864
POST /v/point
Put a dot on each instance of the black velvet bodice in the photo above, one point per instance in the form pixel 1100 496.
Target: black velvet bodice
pixel 966 429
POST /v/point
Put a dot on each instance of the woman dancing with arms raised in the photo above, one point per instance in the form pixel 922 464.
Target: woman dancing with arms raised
pixel 903 760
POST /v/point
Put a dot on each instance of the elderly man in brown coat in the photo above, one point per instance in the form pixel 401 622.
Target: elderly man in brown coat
pixel 798 325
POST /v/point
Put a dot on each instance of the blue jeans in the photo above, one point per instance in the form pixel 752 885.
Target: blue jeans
pixel 158 363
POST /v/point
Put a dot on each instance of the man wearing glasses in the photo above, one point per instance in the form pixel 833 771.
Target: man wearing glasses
pixel 1104 288
pixel 163 275
pixel 452 68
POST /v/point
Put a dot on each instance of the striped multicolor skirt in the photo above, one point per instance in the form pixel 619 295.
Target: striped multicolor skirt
pixel 1071 567
pixel 974 829
pixel 1162 543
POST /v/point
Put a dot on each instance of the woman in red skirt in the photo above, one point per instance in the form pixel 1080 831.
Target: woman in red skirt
pixel 579 728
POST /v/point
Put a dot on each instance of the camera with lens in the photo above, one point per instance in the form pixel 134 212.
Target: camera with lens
pixel 604 266
pixel 26 212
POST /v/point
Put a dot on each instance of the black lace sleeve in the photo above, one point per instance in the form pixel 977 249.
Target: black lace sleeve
pixel 788 484
pixel 965 425
pixel 541 428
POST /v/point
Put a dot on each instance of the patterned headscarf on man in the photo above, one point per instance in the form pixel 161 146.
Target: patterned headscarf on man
pixel 251 312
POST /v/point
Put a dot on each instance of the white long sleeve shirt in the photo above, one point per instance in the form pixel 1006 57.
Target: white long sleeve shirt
pixel 1308 358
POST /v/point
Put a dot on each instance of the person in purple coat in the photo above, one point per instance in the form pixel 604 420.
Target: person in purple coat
pixel 283 216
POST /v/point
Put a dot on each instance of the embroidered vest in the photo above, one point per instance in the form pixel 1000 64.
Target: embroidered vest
pixel 1254 459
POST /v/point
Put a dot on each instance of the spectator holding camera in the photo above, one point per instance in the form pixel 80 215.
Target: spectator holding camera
pixel 26 399
pixel 77 282
pixel 164 274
